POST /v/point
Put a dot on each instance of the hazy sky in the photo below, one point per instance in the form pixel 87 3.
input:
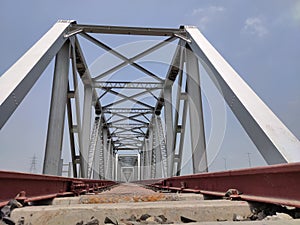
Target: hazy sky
pixel 259 38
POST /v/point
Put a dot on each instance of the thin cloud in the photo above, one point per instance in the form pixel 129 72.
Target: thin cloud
pixel 206 14
pixel 255 26
pixel 296 12
pixel 210 9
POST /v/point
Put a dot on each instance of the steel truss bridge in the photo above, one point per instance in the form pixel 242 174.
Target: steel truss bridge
pixel 110 118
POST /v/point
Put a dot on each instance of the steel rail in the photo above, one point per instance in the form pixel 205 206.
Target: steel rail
pixel 276 184
pixel 33 187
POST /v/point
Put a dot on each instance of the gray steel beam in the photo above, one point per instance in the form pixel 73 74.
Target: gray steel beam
pixel 97 156
pixel 17 81
pixel 113 159
pixel 116 166
pixel 169 130
pixel 152 151
pixel 126 130
pixel 128 30
pixel 134 125
pixel 273 139
pixel 71 136
pixel 86 129
pixel 127 110
pixel 199 154
pixel 128 85
pixel 109 160
pixel 78 114
pixel 139 166
pixel 147 156
pixel 161 144
pixel 158 154
pixel 120 113
pixel 177 108
pixel 182 132
pixel 105 153
pixel 57 112
pixel 96 132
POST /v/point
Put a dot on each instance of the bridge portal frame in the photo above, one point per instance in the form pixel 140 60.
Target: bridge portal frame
pixel 272 138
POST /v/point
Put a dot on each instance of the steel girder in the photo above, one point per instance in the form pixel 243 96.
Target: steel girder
pixel 272 138
pixel 17 81
pixel 54 141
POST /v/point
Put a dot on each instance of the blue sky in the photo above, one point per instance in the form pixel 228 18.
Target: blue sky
pixel 259 38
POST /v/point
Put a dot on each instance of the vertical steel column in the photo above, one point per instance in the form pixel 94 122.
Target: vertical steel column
pixel 179 129
pixel 116 166
pixel 57 112
pixel 157 150
pixel 113 164
pixel 78 127
pixel 149 151
pixel 162 146
pixel 97 155
pixel 199 155
pixel 184 97
pixel 146 163
pixel 109 161
pixel 152 150
pixel 86 129
pixel 169 129
pixel 94 138
pixel 105 153
pixel 142 152
pixel 139 166
pixel 146 160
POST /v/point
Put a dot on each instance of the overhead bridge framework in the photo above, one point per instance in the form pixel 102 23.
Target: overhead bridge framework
pixel 153 130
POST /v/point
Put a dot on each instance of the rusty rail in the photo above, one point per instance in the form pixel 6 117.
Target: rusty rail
pixel 34 187
pixel 276 184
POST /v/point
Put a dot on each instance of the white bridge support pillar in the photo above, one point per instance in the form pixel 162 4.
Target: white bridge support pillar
pixel 96 159
pixel 184 97
pixel 57 112
pixel 147 163
pixel 139 166
pixel 152 151
pixel 169 129
pixel 199 155
pixel 157 150
pixel 105 154
pixel 86 129
pixel 109 160
pixel 146 160
pixel 272 138
pixel 17 81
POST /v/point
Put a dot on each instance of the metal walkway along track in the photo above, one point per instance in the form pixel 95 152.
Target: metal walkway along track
pixel 127 116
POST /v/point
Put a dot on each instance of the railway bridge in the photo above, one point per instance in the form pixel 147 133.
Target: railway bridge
pixel 133 125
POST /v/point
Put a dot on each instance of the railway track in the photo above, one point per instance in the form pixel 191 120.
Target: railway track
pixel 264 195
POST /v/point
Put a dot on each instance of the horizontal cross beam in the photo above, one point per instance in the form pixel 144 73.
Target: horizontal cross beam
pixel 127 110
pixel 128 30
pixel 128 85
